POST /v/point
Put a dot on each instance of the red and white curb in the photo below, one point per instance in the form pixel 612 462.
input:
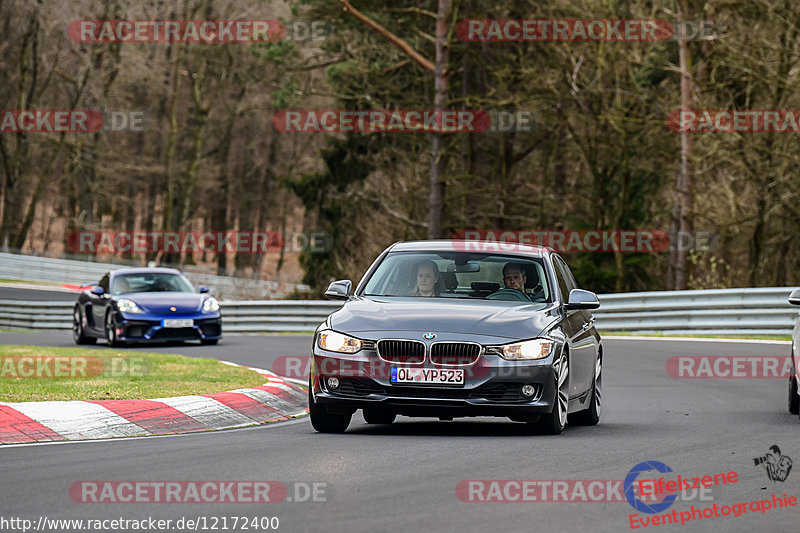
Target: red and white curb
pixel 276 400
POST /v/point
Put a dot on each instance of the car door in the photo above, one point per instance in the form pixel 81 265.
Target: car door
pixel 98 304
pixel 583 344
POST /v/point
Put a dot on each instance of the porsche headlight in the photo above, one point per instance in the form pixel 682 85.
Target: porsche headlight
pixel 533 349
pixel 211 305
pixel 129 306
pixel 336 342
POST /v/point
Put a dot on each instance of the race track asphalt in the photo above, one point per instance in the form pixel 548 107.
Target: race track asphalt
pixel 403 477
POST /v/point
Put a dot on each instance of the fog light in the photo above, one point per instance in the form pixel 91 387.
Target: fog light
pixel 528 390
pixel 333 383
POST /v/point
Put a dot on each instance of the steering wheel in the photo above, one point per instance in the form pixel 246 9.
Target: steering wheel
pixel 510 295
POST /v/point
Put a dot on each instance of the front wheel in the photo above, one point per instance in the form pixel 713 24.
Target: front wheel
pixel 591 416
pixel 111 331
pixel 323 421
pixel 554 422
pixel 209 342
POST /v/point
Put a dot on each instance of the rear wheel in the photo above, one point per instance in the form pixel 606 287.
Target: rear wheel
pixel 554 422
pixel 794 400
pixel 376 415
pixel 591 416
pixel 208 342
pixel 322 420
pixel 78 331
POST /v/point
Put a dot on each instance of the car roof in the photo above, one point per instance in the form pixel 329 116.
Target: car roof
pixel 145 270
pixel 455 245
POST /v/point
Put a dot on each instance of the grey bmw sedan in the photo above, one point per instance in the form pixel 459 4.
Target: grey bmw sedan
pixel 459 328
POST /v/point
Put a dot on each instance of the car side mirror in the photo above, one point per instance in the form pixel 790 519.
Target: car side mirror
pixel 794 297
pixel 97 290
pixel 581 299
pixel 339 290
pixel 203 290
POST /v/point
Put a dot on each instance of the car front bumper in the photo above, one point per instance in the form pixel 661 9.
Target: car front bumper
pixel 492 387
pixel 132 328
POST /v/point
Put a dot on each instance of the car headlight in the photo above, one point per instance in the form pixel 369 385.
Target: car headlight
pixel 336 342
pixel 129 306
pixel 533 349
pixel 210 305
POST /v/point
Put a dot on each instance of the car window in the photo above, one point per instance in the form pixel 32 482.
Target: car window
pixel 151 282
pixel 566 274
pixel 455 275
pixel 563 286
pixel 104 283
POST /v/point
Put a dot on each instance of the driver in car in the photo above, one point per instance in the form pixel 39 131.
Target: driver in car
pixel 514 277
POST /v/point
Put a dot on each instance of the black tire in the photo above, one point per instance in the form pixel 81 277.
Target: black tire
pixel 78 333
pixel 794 400
pixel 376 415
pixel 591 416
pixel 111 332
pixel 554 422
pixel 323 421
pixel 209 342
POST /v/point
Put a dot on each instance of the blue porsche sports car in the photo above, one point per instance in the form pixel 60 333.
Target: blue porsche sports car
pixel 145 305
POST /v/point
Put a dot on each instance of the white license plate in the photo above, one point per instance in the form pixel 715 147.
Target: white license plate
pixel 177 323
pixel 427 376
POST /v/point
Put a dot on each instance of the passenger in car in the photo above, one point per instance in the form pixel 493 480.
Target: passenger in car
pixel 121 286
pixel 427 279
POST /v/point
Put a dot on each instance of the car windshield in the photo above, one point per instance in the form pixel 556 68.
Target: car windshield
pixel 150 282
pixel 460 275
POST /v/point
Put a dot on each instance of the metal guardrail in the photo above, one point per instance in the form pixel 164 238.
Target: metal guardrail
pixel 74 272
pixel 261 316
pixel 757 311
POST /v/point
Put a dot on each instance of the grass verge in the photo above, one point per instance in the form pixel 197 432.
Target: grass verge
pixel 35 373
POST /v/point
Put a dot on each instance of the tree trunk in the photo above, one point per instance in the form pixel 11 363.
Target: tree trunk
pixel 682 207
pixel 439 104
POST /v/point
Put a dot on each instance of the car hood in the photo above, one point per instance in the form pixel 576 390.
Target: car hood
pixel 160 302
pixel 474 317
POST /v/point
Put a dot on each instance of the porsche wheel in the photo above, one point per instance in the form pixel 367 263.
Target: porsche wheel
pixel 78 328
